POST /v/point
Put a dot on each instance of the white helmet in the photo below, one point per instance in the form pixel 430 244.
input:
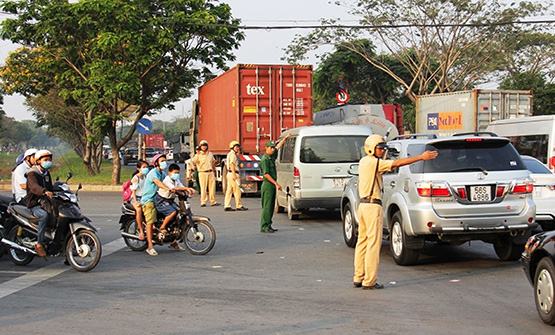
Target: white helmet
pixel 29 152
pixel 42 153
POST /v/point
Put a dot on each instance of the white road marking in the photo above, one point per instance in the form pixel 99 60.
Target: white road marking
pixel 32 278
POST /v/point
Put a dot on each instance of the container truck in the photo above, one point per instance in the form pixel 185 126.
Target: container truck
pixel 251 104
pixel 382 119
pixel 469 111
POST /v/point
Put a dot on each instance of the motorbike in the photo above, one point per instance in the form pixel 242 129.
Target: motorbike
pixel 68 233
pixel 6 220
pixel 192 232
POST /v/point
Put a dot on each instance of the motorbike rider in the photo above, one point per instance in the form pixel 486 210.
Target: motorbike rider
pixel 165 200
pixel 19 180
pixel 137 184
pixel 153 182
pixel 39 194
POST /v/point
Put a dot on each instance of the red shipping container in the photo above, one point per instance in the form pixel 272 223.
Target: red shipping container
pixel 154 141
pixel 252 104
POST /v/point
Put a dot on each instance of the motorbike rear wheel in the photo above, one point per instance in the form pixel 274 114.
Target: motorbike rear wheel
pixel 19 257
pixel 199 238
pixel 135 245
pixel 85 256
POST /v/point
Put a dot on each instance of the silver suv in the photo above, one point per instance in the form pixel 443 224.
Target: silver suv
pixel 477 189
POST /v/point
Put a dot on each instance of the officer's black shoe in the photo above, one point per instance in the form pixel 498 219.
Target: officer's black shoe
pixel 357 284
pixel 242 208
pixel 272 229
pixel 376 286
pixel 229 209
pixel 203 205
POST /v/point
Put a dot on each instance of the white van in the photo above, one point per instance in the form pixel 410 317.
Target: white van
pixel 313 164
pixel 532 136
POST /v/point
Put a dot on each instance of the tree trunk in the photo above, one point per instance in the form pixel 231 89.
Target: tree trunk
pixel 116 161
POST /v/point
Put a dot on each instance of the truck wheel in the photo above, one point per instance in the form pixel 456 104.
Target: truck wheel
pixel 350 228
pixel 507 250
pixel 290 210
pixel 224 179
pixel 402 255
pixel 544 287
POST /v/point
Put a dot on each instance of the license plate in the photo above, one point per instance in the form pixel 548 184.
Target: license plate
pixel 249 187
pixel 339 182
pixel 480 193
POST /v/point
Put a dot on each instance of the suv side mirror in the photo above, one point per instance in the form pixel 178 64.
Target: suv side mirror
pixel 353 170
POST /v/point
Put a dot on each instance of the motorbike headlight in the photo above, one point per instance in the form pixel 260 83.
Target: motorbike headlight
pixel 72 197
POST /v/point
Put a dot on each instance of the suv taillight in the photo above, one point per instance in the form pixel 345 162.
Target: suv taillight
pixel 499 191
pixel 296 178
pixel 523 188
pixel 433 190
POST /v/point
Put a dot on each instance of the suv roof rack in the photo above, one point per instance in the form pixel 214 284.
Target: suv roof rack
pixel 477 133
pixel 415 136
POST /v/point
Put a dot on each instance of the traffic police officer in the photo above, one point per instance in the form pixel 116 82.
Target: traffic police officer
pixel 233 179
pixel 205 165
pixel 370 211
pixel 269 185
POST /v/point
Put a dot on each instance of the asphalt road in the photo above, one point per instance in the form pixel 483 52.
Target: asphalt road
pixel 297 281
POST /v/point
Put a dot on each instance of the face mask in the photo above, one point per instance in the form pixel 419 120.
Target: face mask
pixel 163 165
pixel 174 176
pixel 46 165
pixel 144 171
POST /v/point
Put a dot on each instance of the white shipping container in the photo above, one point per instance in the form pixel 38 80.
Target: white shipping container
pixel 469 111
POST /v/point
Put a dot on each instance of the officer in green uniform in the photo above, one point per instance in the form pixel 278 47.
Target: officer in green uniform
pixel 269 185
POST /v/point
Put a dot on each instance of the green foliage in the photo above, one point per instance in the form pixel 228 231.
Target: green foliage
pixel 116 59
pixel 437 58
pixel 544 91
pixel 364 82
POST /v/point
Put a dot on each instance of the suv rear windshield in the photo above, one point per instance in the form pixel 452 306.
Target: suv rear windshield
pixel 332 149
pixel 467 156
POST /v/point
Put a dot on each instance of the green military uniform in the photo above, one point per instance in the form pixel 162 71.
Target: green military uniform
pixel 268 192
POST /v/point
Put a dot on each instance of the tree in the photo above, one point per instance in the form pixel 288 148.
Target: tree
pixel 365 83
pixel 439 58
pixel 69 124
pixel 544 91
pixel 120 60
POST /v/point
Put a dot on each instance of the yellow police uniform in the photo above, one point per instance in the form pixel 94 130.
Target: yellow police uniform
pixel 204 162
pixel 233 180
pixel 370 214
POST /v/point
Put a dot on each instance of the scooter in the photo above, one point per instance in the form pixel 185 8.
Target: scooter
pixel 192 232
pixel 70 233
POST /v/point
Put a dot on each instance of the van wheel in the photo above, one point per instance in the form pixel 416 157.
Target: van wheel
pixel 278 208
pixel 507 250
pixel 402 255
pixel 290 210
pixel 350 228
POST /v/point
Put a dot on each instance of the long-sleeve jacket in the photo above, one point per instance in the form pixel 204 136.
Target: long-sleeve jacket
pixel 38 183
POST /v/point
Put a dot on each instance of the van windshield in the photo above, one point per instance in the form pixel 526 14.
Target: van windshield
pixel 332 149
pixel 468 156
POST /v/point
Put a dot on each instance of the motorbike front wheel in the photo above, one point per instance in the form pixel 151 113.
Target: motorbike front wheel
pixel 199 238
pixel 84 255
pixel 20 257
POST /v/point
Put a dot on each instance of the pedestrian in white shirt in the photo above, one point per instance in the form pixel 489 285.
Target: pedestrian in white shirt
pixel 19 175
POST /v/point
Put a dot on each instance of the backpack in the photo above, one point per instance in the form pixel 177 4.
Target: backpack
pixel 126 191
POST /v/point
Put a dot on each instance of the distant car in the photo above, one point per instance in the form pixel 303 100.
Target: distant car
pixel 477 189
pixel 151 152
pixel 538 261
pixel 130 156
pixel 544 192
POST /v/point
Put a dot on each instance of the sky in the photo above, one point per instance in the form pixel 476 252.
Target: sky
pixel 262 47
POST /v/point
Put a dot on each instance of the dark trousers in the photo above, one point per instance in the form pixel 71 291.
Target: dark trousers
pixel 268 195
